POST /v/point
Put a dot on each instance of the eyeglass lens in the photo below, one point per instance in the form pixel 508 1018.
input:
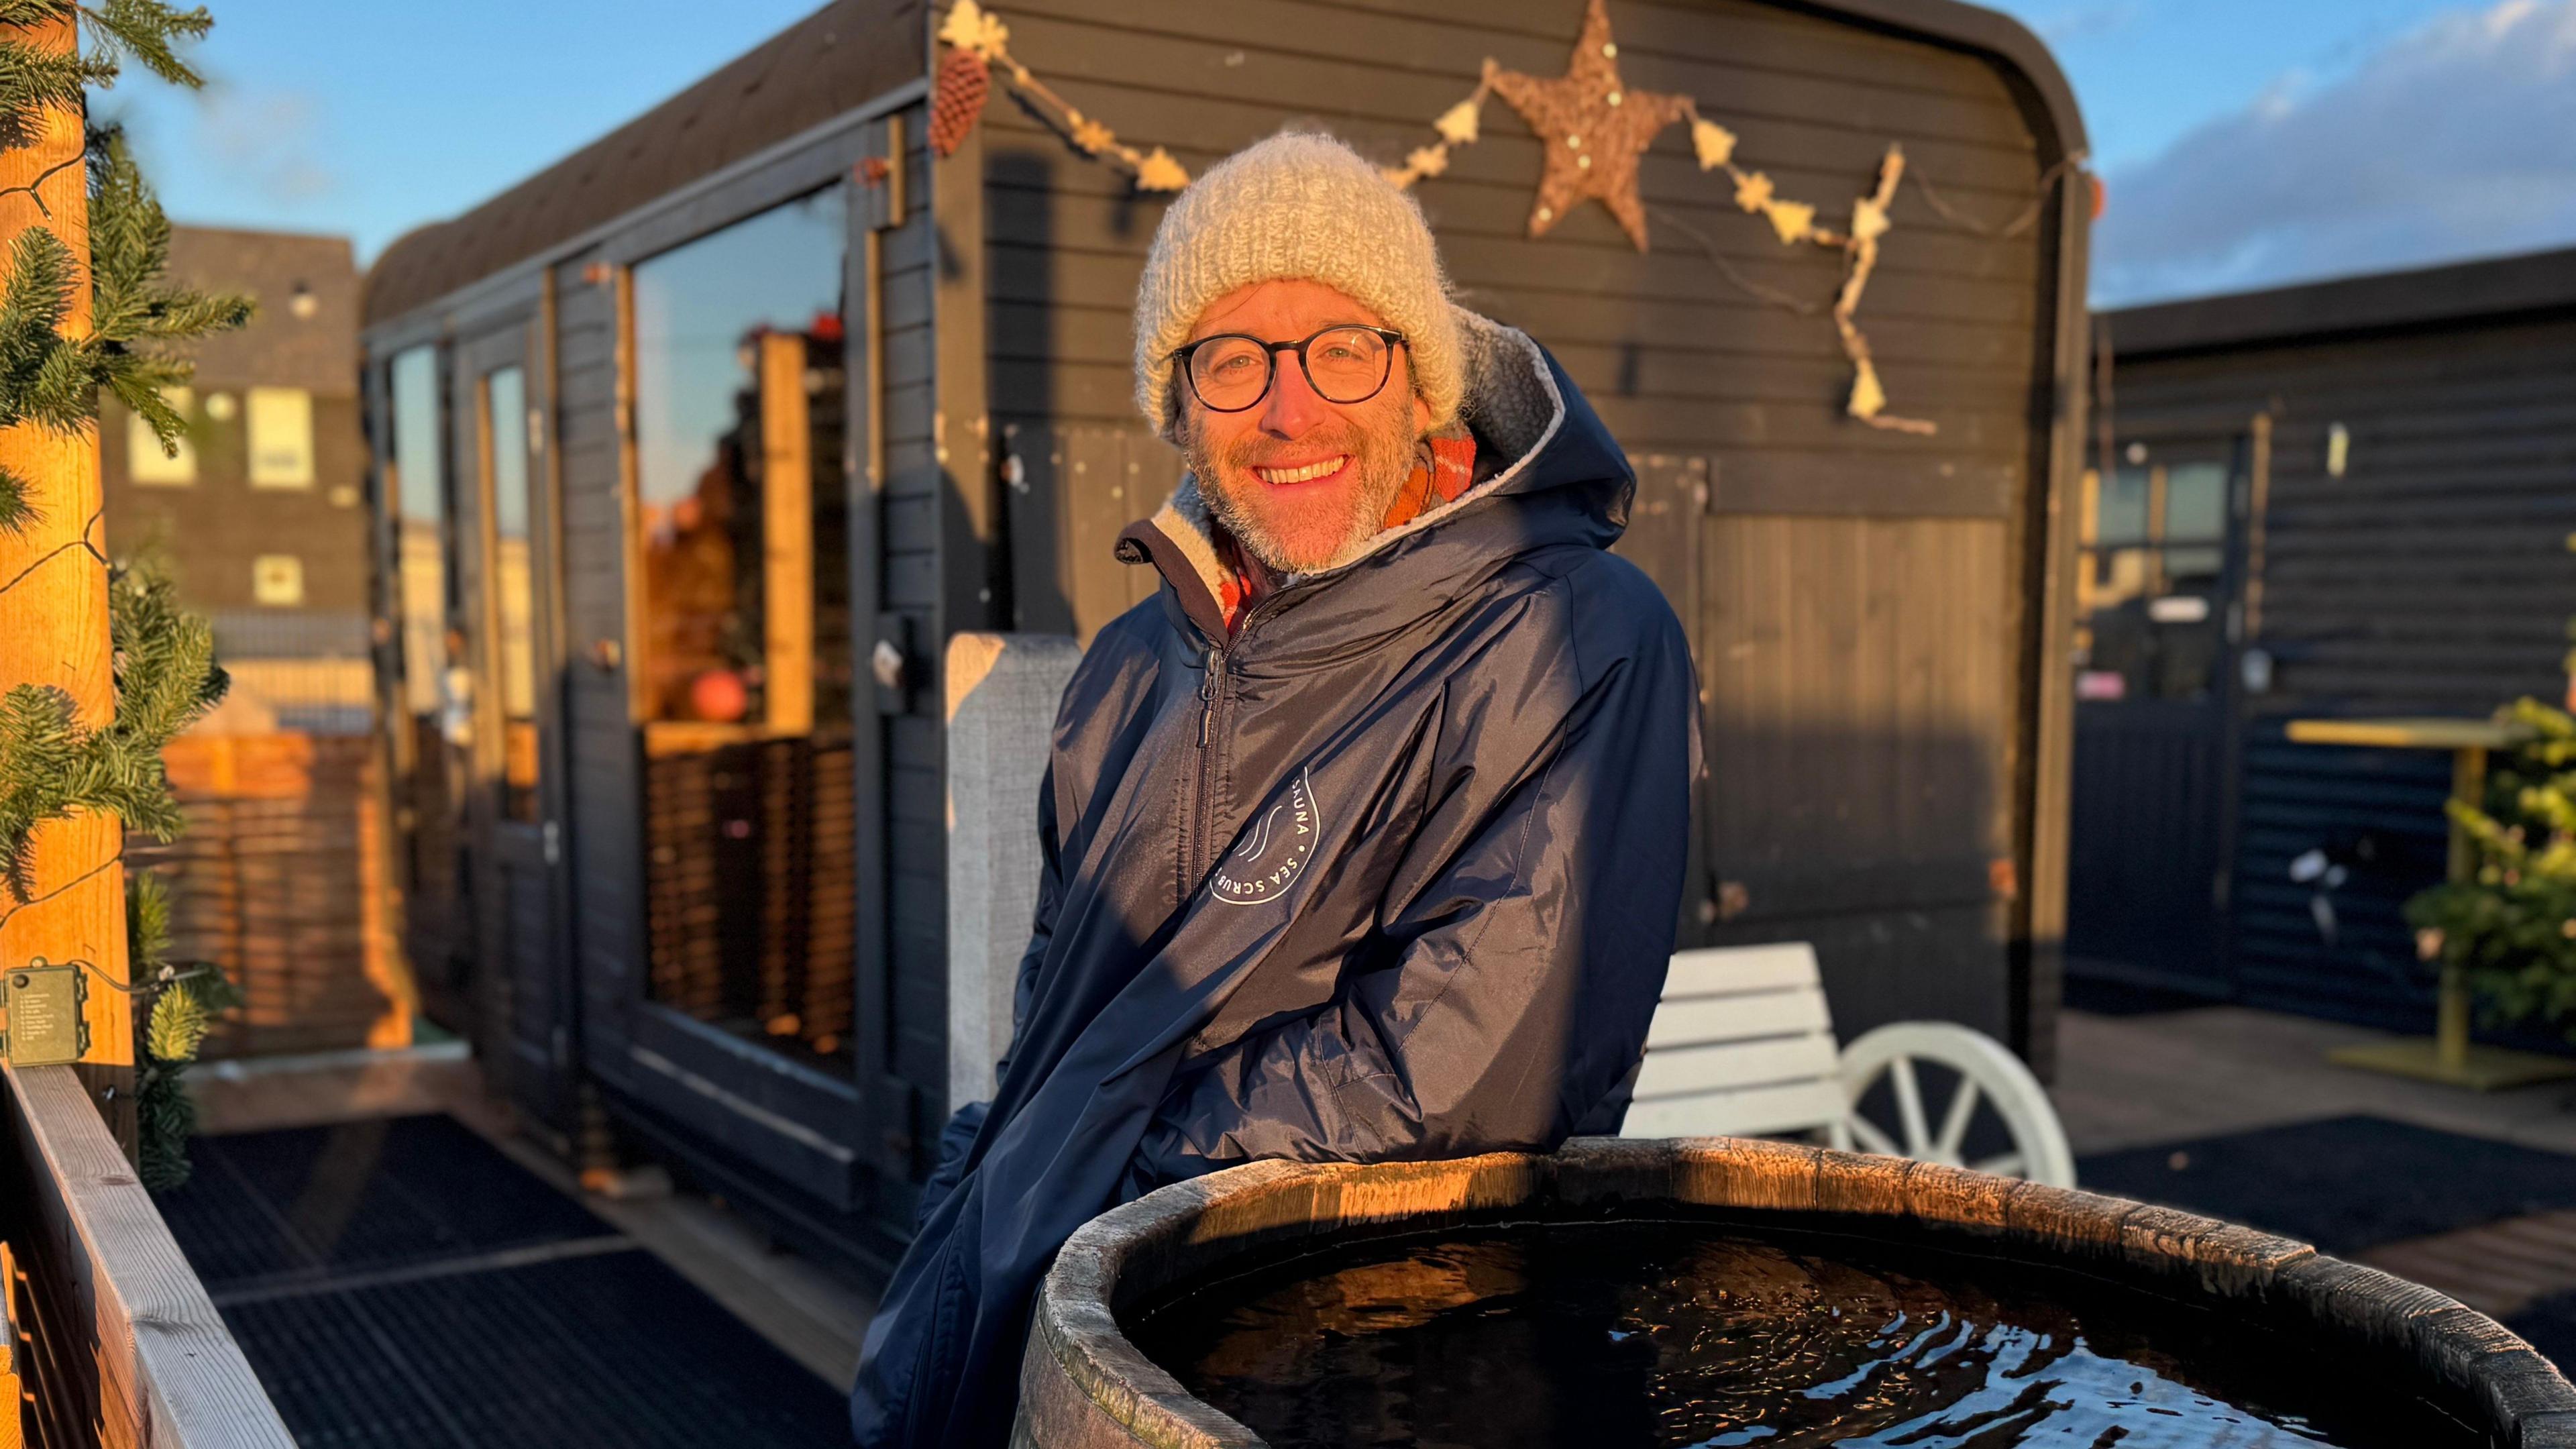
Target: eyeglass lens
pixel 1345 365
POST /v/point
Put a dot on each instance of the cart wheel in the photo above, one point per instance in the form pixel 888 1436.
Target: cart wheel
pixel 1988 1086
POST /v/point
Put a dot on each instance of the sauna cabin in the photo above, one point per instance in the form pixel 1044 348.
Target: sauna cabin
pixel 691 452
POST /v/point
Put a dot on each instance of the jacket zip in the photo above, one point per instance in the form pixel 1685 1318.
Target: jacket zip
pixel 1203 799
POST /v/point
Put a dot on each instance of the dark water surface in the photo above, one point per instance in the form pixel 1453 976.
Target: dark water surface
pixel 1662 1335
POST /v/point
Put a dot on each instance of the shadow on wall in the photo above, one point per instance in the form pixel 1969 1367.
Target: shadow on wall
pixel 1888 851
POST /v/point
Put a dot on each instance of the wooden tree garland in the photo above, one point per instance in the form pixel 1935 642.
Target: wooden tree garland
pixel 1595 128
pixel 978 40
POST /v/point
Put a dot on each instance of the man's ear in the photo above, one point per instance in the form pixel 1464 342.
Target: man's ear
pixel 1421 417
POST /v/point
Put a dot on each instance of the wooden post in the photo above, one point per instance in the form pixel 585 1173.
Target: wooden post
pixel 12 1389
pixel 53 624
pixel 2451 1005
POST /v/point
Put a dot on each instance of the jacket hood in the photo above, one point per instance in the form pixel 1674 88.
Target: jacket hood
pixel 1573 482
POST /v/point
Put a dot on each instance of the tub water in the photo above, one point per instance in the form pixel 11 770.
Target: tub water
pixel 1656 1335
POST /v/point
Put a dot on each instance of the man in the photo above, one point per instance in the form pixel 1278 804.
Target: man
pixel 1363 840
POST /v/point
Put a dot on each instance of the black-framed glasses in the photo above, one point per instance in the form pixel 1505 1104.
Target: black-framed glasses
pixel 1344 363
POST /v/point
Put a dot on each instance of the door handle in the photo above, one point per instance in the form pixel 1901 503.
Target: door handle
pixel 553 837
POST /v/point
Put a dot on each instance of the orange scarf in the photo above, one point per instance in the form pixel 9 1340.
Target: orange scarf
pixel 1444 466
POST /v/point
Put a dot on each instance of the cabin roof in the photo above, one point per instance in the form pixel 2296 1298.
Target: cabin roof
pixel 2461 292
pixel 852 51
pixel 831 62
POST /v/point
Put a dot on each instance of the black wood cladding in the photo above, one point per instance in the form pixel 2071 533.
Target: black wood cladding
pixel 2433 578
pixel 1853 593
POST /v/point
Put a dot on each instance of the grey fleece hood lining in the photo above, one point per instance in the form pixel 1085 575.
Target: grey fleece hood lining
pixel 1516 410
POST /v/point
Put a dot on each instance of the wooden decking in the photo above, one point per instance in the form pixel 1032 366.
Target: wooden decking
pixel 2130 1081
pixel 2138 1081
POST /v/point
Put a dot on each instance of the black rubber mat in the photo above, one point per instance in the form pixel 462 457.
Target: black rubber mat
pixel 379 1194
pixel 2344 1183
pixel 403 1283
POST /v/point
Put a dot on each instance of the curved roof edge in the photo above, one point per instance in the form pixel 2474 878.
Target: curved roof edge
pixel 805 75
pixel 2454 292
pixel 1975 27
pixel 831 62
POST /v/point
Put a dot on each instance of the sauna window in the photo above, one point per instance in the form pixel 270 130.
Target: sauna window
pixel 420 566
pixel 418 488
pixel 744 678
pixel 505 414
pixel 2152 587
pixel 145 461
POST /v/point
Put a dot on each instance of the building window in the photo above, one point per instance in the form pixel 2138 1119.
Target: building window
pixel 277 579
pixel 281 437
pixel 745 642
pixel 145 461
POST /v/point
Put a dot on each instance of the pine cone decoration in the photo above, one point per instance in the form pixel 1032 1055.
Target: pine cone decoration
pixel 957 99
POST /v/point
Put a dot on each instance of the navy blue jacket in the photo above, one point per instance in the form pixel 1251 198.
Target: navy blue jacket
pixel 1390 873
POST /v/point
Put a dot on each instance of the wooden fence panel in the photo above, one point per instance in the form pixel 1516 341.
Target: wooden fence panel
pixel 280 880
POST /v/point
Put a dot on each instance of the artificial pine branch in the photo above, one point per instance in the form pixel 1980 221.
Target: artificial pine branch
pixel 15 511
pixel 172 1019
pixel 32 80
pixel 133 311
pixel 143 29
pixel 166 680
pixel 165 672
pixel 45 377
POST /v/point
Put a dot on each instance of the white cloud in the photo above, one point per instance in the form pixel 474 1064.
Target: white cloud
pixel 2455 140
pixel 266 142
pixel 2087 22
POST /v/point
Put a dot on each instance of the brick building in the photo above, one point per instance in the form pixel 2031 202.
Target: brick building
pixel 261 513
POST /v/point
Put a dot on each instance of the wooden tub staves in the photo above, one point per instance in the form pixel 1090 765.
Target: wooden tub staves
pixel 1083 1385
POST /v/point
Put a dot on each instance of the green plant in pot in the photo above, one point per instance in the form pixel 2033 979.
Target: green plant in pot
pixel 2509 925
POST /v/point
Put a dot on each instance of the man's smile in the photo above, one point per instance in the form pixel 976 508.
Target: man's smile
pixel 1303 472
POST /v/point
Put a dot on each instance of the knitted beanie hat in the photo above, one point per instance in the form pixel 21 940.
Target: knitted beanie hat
pixel 1298 205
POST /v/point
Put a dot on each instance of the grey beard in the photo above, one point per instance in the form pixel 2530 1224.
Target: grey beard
pixel 1378 487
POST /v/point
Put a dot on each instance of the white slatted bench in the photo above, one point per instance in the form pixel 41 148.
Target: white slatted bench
pixel 1743 1046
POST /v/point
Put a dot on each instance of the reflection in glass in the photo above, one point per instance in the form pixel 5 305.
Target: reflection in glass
pixel 745 653
pixel 505 413
pixel 420 497
pixel 430 715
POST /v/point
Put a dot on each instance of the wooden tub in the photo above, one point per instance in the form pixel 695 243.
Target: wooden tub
pixel 1084 1386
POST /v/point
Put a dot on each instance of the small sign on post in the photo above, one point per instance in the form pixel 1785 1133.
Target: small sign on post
pixel 41 1023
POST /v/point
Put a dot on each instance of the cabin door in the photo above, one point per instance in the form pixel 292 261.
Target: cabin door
pixel 743 1027
pixel 2158 608
pixel 514 805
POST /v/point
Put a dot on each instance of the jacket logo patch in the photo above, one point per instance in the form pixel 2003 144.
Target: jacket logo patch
pixel 1273 850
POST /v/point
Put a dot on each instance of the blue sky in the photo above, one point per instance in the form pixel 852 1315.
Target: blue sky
pixel 2245 142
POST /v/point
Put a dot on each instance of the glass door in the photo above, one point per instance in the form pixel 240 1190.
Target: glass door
pixel 2156 606
pixel 742 678
pixel 514 809
pixel 427 723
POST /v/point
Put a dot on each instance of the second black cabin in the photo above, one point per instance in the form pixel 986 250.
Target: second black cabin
pixel 2352 498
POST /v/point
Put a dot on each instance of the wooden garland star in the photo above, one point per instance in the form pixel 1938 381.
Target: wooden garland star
pixel 1594 128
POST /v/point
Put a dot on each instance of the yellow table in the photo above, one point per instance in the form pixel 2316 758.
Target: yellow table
pixel 2447 1056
